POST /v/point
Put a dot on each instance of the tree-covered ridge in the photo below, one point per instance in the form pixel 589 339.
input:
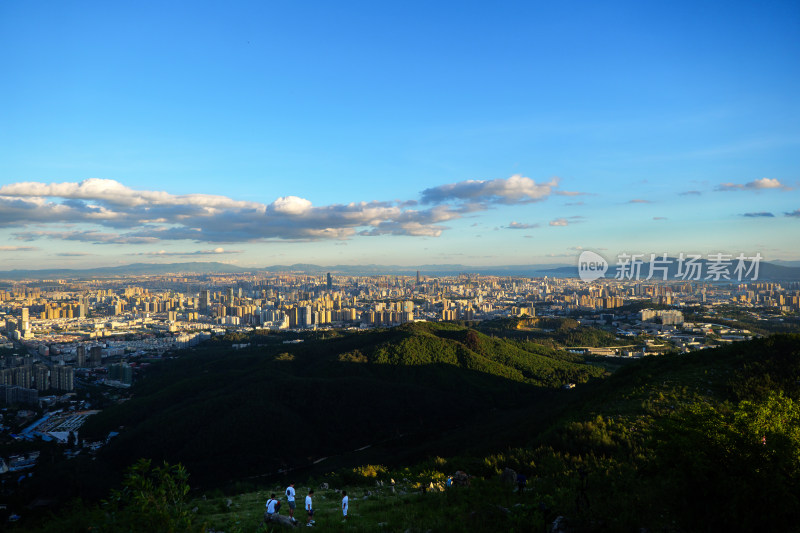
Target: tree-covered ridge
pixel 420 344
pixel 225 412
pixel 551 332
pixel 701 442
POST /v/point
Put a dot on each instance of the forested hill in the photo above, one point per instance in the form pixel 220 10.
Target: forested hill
pixel 707 441
pixel 228 413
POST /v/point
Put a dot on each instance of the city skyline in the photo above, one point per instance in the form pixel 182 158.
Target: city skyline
pixel 265 134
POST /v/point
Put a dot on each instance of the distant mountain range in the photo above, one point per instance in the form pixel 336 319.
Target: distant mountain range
pixel 781 262
pixel 777 270
pixel 200 267
pixel 135 269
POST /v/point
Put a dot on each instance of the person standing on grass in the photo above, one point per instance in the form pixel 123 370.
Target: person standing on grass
pixel 344 504
pixel 290 499
pixel 309 509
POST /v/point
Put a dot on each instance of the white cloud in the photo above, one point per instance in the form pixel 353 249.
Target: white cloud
pixel 115 193
pixel 559 222
pixel 290 205
pixel 520 225
pixel 765 183
pixel 760 184
pixel 514 190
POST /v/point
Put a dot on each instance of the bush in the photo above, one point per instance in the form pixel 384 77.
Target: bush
pixel 151 499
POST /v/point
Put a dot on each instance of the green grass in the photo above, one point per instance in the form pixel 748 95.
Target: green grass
pixel 374 508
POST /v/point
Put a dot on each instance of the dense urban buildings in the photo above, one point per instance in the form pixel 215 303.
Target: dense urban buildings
pixel 52 327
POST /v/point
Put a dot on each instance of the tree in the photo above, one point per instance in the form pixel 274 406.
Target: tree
pixel 151 499
pixel 718 465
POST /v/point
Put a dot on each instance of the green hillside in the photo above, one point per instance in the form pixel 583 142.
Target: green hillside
pixel 228 414
pixel 708 441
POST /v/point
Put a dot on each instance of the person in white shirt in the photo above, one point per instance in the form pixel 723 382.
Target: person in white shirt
pixel 272 507
pixel 309 509
pixel 344 504
pixel 290 498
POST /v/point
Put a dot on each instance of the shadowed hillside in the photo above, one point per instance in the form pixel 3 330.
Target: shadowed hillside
pixel 708 441
pixel 226 414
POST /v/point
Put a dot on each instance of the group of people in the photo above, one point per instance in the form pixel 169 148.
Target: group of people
pixel 274 505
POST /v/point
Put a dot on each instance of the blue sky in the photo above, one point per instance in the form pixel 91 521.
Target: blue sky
pixel 409 133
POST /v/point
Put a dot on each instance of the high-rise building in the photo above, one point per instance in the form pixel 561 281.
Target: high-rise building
pixel 80 356
pixel 63 378
pixel 96 356
pixel 42 377
pixel 121 372
pixel 330 281
pixel 205 301
pixel 13 394
pixel 294 317
pixel 23 376
pixel 25 323
pixel 305 317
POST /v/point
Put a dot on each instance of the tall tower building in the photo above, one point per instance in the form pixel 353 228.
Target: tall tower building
pixel 96 354
pixel 42 377
pixel 25 323
pixel 330 281
pixel 205 301
pixel 305 316
pixel 80 356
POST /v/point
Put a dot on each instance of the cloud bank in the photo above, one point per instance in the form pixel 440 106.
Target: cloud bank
pixel 108 212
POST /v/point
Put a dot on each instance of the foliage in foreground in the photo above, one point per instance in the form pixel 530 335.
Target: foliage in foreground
pixel 150 499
